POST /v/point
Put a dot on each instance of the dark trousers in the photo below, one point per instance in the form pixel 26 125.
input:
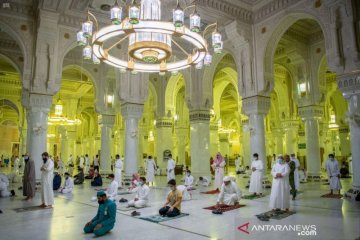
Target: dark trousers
pixel 96 167
pixel 165 212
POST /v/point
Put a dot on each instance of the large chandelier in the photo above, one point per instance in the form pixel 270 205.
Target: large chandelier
pixel 149 40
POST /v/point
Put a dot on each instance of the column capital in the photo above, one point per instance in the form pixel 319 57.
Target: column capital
pixel 223 137
pixel 199 115
pixel 132 110
pixel 214 126
pixel 349 83
pixel 39 102
pixel 311 112
pixel 290 124
pixel 164 123
pixel 106 120
pixel 256 105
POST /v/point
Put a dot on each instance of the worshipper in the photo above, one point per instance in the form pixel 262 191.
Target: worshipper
pixel 87 163
pixel 230 193
pixel 256 175
pixel 4 183
pixel 226 160
pixel 97 180
pixel 96 163
pixel 344 171
pixel 68 185
pixel 118 169
pixel 56 181
pixel 296 173
pixel 70 165
pixel 134 181
pixel 105 218
pixel 22 164
pixel 142 195
pixel 280 192
pixel 248 172
pixel 189 180
pixel 111 191
pixel 16 165
pixel 82 161
pixel 172 207
pixel 186 195
pixel 203 181
pixel 238 164
pixel 333 172
pixel 170 168
pixel 61 166
pixel 47 169
pixel 29 178
pixel 212 170
pixel 150 170
pixel 292 167
pixel 90 173
pixel 302 176
pixel 79 178
pixel 218 165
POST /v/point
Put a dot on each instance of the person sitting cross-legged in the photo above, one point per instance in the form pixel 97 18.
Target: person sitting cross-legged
pixel 142 194
pixel 68 186
pixel 172 207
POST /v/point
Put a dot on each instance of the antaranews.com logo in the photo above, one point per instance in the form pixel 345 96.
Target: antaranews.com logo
pixel 299 229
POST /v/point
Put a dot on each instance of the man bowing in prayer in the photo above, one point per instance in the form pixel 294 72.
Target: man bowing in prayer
pixel 47 172
pixel 256 175
pixel 333 172
pixel 29 178
pixel 105 218
pixel 230 193
pixel 280 191
pixel 170 168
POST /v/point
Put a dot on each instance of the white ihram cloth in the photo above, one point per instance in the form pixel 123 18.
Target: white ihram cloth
pixel 112 190
pixel 189 181
pixel 296 173
pixel 219 174
pixel 68 186
pixel 142 194
pixel 47 175
pixel 238 164
pixel 4 183
pixel 229 194
pixel 117 172
pixel 150 170
pixel 280 189
pixel 332 169
pixel 256 177
pixel 171 169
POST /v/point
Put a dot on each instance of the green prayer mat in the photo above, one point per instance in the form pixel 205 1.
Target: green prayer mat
pixel 251 197
pixel 28 209
pixel 158 218
pixel 278 215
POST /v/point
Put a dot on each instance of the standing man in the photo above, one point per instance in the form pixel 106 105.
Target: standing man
pixel 256 175
pixel 296 173
pixel 118 169
pixel 87 163
pixel 96 163
pixel 170 168
pixel 291 176
pixel 68 186
pixel 47 170
pixel 150 170
pixel 16 165
pixel 333 172
pixel 105 218
pixel 238 164
pixel 29 178
pixel 230 193
pixel 142 194
pixel 218 165
pixel 280 192
pixel 82 161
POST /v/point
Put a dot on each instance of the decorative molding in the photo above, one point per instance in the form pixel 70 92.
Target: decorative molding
pixel 349 83
pixel 132 110
pixel 271 8
pixel 311 112
pixel 106 120
pixel 256 105
pixel 199 115
pixel 164 123
pixel 292 124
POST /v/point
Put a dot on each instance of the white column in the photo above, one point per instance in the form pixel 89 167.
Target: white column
pixel 200 142
pixel 246 143
pixel 181 135
pixel 23 138
pixel 164 140
pixel 131 113
pixel 344 140
pixel 106 123
pixel 291 132
pixel 278 134
pixel 214 139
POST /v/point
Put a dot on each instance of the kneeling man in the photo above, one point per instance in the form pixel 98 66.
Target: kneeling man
pixel 68 186
pixel 230 193
pixel 172 207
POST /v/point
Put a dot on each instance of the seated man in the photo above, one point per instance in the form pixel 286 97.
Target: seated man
pixel 111 191
pixel 142 195
pixel 79 178
pixel 90 173
pixel 247 172
pixel 189 180
pixel 186 195
pixel 69 184
pixel 4 183
pixel 302 175
pixel 105 218
pixel 344 171
pixel 230 193
pixel 97 181
pixel 56 181
pixel 172 207
pixel 203 181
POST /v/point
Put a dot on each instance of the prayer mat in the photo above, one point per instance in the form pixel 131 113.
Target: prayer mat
pixel 212 192
pixel 224 207
pixel 28 209
pixel 159 219
pixel 124 193
pixel 126 209
pixel 251 197
pixel 278 215
pixel 328 195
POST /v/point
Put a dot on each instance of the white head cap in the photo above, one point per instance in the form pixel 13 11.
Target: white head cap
pixel 226 179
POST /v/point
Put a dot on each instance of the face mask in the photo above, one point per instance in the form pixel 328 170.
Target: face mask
pixel 101 201
pixel 141 183
pixel 66 178
pixel 280 161
pixel 188 174
pixel 44 160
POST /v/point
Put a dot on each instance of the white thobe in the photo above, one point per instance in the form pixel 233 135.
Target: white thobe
pixel 256 177
pixel 87 165
pixel 229 194
pixel 61 167
pixel 47 175
pixel 186 196
pixel 280 189
pixel 16 165
pixel 68 186
pixel 238 164
pixel 189 180
pixel 332 169
pixel 171 169
pixel 96 162
pixel 82 161
pixel 150 170
pixel 219 173
pixel 118 169
pixel 350 165
pixel 4 183
pixel 296 173
pixel 205 182
pixel 112 190
pixel 142 194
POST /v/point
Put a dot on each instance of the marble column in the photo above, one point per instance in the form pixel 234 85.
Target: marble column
pixel 164 140
pixel 214 139
pixel 344 140
pixel 291 132
pixel 279 142
pixel 224 144
pixel 181 135
pixel 23 137
pixel 311 116
pixel 246 143
pixel 200 142
pixel 64 146
pixel 106 122
pixel 131 114
pixel 39 108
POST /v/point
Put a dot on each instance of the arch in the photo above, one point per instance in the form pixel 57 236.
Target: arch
pixel 6 102
pixel 172 87
pixel 12 63
pixel 154 93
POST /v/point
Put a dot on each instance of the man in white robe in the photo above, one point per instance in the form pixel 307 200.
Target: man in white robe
pixel 47 172
pixel 280 190
pixel 203 181
pixel 186 195
pixel 16 165
pixel 170 168
pixel 230 193
pixel 296 173
pixel 4 183
pixel 218 165
pixel 87 164
pixel 150 170
pixel 256 175
pixel 82 161
pixel 118 169
pixel 188 180
pixel 238 164
pixel 142 194
pixel 68 185
pixel 333 172
pixel 111 191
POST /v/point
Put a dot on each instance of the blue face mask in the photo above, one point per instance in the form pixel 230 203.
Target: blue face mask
pixel 280 161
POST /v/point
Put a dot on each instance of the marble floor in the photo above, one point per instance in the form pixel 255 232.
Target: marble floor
pixel 333 218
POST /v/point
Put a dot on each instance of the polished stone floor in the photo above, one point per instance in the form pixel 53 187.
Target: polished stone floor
pixel 333 218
